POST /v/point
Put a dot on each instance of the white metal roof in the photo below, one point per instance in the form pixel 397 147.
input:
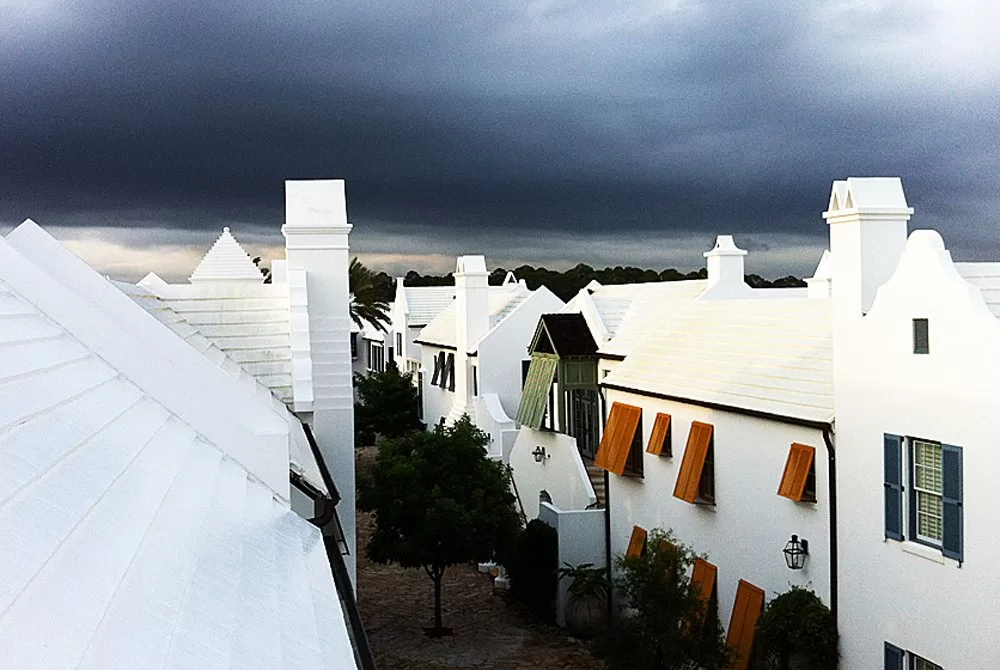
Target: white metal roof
pixel 426 302
pixel 301 459
pixel 251 322
pixel 503 300
pixel 133 539
pixel 986 278
pixel 773 356
pixel 227 261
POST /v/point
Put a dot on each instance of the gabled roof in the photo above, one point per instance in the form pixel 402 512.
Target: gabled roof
pixel 503 301
pixel 563 334
pixel 426 302
pixel 134 538
pixel 768 356
pixel 227 261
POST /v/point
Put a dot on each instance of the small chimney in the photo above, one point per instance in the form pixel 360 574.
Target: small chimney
pixel 867 218
pixel 725 270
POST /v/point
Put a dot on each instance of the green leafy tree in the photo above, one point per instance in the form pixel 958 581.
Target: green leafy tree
pixel 670 627
pixel 369 295
pixel 439 501
pixel 796 623
pixel 388 404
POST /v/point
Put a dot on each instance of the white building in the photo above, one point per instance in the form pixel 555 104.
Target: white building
pixel 709 401
pixel 471 352
pixel 413 308
pixel 149 477
pixel 916 368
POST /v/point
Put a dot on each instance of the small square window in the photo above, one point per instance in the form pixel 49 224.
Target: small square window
pixel 921 337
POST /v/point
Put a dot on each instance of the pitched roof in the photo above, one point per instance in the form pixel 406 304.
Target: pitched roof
pixel 568 334
pixel 426 302
pixel 626 309
pixel 773 356
pixel 135 539
pixel 227 261
pixel 503 300
pixel 986 278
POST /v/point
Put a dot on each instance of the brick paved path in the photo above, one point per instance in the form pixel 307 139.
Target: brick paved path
pixel 491 631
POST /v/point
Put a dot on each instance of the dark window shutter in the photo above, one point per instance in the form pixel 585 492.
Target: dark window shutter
pixel 436 379
pixel 951 461
pixel 451 372
pixel 893 478
pixel 893 657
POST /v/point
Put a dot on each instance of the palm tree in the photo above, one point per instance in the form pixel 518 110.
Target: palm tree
pixel 367 301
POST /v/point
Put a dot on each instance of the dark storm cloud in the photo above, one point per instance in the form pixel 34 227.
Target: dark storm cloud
pixel 493 119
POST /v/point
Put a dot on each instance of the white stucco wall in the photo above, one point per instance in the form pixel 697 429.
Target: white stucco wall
pixel 437 401
pixel 745 532
pixel 562 473
pixel 581 540
pixel 902 592
pixel 503 349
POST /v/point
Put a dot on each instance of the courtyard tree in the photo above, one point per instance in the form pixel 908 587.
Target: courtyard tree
pixel 671 625
pixel 388 404
pixel 438 501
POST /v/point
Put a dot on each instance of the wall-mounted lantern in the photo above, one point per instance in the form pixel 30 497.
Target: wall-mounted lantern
pixel 796 551
pixel 539 454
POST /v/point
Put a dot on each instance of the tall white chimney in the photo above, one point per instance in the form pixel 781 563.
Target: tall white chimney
pixel 472 321
pixel 867 218
pixel 316 241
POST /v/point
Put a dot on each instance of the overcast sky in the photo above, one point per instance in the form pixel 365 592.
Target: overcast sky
pixel 548 131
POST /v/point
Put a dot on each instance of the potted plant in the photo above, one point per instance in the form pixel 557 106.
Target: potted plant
pixel 796 632
pixel 587 610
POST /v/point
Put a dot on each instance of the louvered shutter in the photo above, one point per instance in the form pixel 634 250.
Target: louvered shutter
pixel 659 438
pixel 436 378
pixel 637 542
pixel 535 395
pixel 951 466
pixel 743 624
pixel 695 453
pixel 617 439
pixel 893 484
pixel 893 657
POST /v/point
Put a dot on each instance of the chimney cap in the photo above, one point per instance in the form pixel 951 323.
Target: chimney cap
pixel 474 264
pixel 725 246
pixel 867 195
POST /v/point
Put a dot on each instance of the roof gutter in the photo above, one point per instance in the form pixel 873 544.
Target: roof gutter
pixel 328 522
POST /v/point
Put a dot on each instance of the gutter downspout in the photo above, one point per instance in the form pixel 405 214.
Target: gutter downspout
pixel 329 524
pixel 831 454
pixel 607 509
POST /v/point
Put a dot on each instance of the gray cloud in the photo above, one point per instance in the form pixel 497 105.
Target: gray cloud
pixel 462 123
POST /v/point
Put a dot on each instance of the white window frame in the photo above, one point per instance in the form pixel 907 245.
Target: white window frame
pixel 911 457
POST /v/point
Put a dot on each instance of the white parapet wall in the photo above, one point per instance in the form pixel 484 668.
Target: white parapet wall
pixel 561 472
pixel 581 540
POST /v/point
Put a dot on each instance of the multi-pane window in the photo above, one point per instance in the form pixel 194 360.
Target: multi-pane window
pixel 924 664
pixel 897 658
pixel 376 357
pixel 927 482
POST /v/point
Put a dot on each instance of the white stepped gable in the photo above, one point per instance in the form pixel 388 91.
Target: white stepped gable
pixel 226 261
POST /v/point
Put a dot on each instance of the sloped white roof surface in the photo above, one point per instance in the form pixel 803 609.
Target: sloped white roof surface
pixel 133 541
pixel 426 302
pixel 302 460
pixel 985 277
pixel 765 355
pixel 503 300
pixel 227 261
pixel 249 322
pixel 627 309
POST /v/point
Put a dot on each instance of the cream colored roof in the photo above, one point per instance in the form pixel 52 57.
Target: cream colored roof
pixel 502 301
pixel 773 356
pixel 625 309
pixel 985 277
pixel 426 302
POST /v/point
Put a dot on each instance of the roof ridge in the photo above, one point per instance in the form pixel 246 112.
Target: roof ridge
pixel 226 260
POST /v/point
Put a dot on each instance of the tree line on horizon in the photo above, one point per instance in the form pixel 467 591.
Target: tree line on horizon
pixel 567 284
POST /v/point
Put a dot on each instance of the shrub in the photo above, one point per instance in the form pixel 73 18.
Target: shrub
pixel 796 622
pixel 533 569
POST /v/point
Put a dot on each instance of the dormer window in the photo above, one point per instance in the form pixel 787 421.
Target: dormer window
pixel 921 337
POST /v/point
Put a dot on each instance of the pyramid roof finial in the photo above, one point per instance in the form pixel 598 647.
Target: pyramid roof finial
pixel 226 261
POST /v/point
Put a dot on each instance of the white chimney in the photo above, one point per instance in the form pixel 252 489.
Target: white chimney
pixel 472 321
pixel 867 218
pixel 725 270
pixel 316 241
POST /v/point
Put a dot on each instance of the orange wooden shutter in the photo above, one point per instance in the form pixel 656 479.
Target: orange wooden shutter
pixel 743 623
pixel 695 452
pixel 703 577
pixel 636 543
pixel 797 467
pixel 617 440
pixel 661 428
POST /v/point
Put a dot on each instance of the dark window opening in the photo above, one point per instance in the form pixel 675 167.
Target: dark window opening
pixel 921 337
pixel 633 464
pixel 706 485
